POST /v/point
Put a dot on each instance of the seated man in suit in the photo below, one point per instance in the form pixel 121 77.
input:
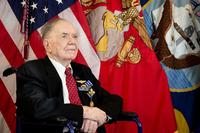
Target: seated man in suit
pixel 55 89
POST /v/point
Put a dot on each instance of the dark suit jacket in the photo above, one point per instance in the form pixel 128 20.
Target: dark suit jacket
pixel 40 96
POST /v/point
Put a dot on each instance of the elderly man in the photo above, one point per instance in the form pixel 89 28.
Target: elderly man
pixel 55 89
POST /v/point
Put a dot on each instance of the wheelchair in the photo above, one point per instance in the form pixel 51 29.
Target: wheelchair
pixel 67 124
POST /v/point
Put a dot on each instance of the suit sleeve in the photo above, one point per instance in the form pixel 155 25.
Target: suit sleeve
pixel 33 100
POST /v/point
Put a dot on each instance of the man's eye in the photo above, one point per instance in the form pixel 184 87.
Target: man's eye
pixel 75 36
pixel 64 36
pixel 68 35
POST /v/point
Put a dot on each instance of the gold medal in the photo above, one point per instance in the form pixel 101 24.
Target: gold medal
pixel 91 93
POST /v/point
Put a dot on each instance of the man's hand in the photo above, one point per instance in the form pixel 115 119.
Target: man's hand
pixel 94 113
pixel 89 126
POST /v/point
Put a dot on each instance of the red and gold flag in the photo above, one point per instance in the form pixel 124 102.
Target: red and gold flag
pixel 129 66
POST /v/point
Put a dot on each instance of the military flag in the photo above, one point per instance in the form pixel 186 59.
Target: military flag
pixel 129 66
pixel 175 27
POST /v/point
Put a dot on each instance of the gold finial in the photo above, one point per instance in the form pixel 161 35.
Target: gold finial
pixel 86 3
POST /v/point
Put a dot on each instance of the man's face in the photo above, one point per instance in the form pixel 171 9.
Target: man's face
pixel 63 42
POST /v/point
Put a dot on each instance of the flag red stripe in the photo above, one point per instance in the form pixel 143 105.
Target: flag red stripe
pixel 7 108
pixel 9 48
pixel 37 45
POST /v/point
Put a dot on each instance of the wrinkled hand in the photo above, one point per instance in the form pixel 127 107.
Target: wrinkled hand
pixel 94 113
pixel 89 126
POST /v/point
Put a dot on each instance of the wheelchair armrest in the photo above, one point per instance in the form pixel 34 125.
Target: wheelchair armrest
pixel 127 116
pixel 132 117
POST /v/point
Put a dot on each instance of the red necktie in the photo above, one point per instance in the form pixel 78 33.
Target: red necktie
pixel 72 88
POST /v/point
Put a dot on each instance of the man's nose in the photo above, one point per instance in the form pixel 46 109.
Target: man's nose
pixel 71 39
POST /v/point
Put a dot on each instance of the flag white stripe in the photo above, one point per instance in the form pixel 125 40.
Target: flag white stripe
pixel 12 27
pixel 3 65
pixel 31 54
pixel 3 125
pixel 10 81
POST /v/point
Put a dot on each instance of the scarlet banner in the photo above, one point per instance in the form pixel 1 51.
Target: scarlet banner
pixel 129 66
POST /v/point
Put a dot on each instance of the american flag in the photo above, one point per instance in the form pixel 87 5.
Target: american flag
pixel 13 33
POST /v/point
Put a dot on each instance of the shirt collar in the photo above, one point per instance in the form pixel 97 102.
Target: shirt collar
pixel 59 67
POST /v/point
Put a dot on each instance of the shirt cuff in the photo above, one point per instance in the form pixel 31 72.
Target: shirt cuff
pixel 108 118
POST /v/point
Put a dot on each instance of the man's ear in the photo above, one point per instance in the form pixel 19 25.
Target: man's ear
pixel 46 45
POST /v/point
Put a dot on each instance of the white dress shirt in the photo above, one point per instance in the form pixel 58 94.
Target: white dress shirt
pixel 61 72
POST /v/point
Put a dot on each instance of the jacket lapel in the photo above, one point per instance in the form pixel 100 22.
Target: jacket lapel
pixel 53 80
